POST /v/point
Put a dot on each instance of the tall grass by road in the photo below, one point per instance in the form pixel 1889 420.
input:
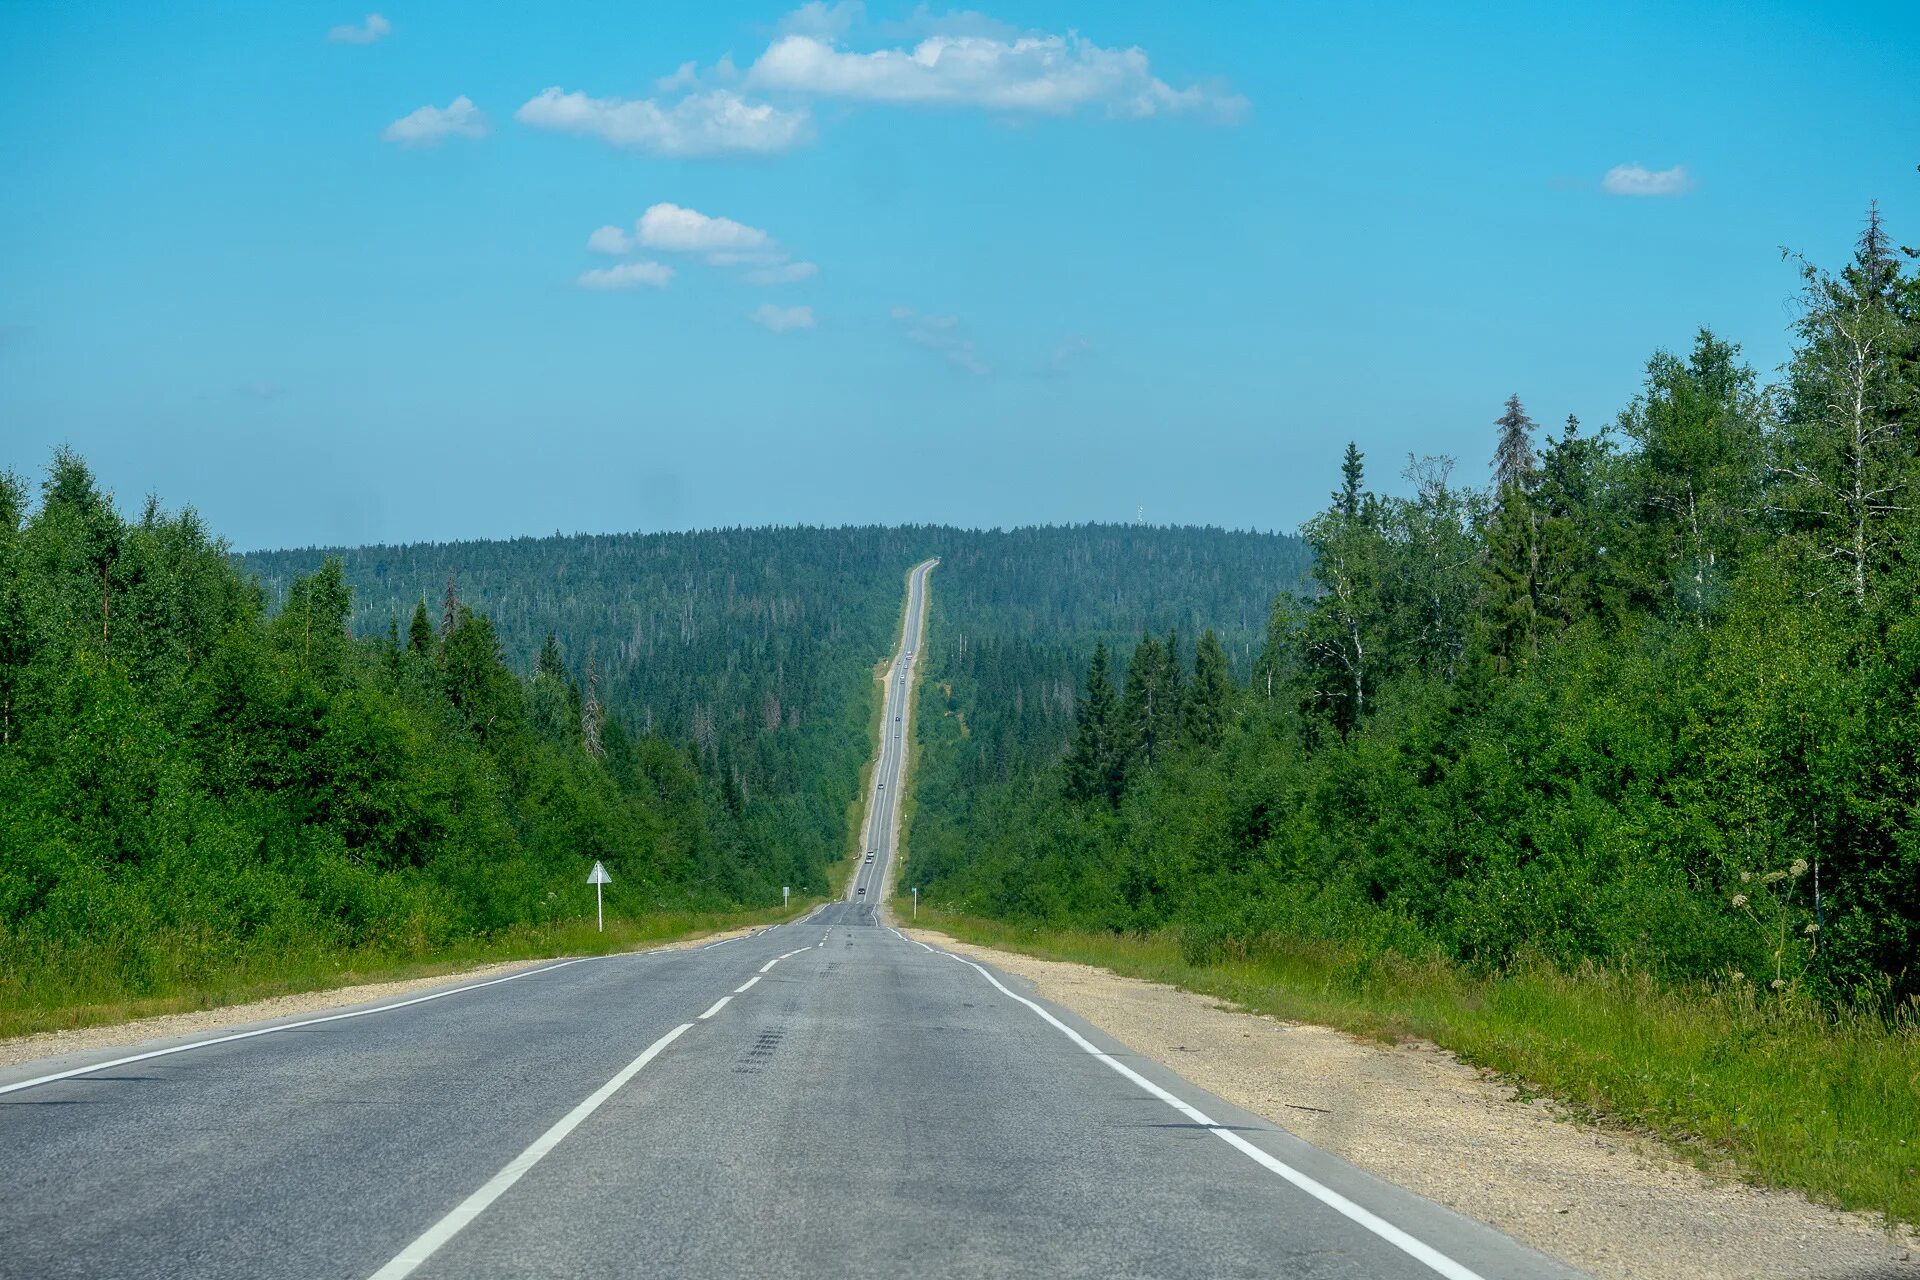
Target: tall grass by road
pixel 83 982
pixel 1772 1089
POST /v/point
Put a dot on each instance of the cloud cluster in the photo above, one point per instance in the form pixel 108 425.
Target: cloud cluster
pixel 628 275
pixel 1634 180
pixel 1044 74
pixel 672 228
pixel 781 319
pixel 961 60
pixel 431 125
pixel 714 122
pixel 374 28
pixel 941 334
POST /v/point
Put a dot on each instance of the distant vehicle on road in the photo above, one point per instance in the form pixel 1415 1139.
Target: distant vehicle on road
pixel 869 857
pixel 861 892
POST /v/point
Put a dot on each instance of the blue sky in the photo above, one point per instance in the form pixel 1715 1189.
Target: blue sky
pixel 327 277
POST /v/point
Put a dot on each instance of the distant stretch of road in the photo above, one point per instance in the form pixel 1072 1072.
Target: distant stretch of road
pixel 824 1098
pixel 880 836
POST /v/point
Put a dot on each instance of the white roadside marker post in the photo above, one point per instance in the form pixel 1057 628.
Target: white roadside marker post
pixel 785 889
pixel 597 877
pixel 916 902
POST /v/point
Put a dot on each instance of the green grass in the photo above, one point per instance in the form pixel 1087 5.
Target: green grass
pixel 1768 1089
pixel 89 984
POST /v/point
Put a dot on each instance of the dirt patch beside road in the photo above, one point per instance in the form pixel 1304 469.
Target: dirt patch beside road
pixel 1610 1204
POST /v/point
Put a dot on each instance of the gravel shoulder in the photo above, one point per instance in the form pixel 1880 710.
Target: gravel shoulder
pixel 1611 1204
pixel 50 1044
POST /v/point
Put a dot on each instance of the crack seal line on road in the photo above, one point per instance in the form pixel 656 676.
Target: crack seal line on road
pixel 1410 1245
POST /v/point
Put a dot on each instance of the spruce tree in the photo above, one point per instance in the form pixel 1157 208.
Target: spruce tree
pixel 1092 761
pixel 449 609
pixel 1352 482
pixel 420 630
pixel 1210 697
pixel 1513 462
pixel 1144 707
pixel 549 662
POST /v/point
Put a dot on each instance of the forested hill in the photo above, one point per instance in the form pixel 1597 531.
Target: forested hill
pixel 1648 702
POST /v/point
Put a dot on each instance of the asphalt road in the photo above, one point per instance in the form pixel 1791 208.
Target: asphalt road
pixel 824 1098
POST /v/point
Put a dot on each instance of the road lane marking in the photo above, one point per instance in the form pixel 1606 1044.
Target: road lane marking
pixel 1413 1247
pixel 718 1005
pixel 743 986
pixel 284 1026
pixel 777 959
pixel 429 1241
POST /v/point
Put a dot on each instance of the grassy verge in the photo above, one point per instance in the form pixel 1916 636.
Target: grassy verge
pixel 1780 1094
pixel 83 985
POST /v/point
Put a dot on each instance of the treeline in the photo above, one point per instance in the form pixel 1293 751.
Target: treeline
pixel 188 779
pixel 1647 700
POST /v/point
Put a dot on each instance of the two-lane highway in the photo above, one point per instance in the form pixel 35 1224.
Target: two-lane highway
pixel 824 1098
pixel 880 833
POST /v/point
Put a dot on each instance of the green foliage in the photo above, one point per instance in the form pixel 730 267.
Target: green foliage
pixel 191 786
pixel 1648 704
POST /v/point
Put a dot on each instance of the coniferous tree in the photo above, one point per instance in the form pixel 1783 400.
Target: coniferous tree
pixel 420 631
pixel 1144 716
pixel 1347 498
pixel 1514 465
pixel 1093 766
pixel 449 609
pixel 1210 695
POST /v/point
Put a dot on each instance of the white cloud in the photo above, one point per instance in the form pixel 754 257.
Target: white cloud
pixel 628 275
pixel 784 273
pixel 1634 180
pixel 940 333
pixel 374 28
pixel 827 21
pixel 430 125
pixel 1046 74
pixel 781 319
pixel 701 124
pixel 685 77
pixel 681 230
pixel 610 240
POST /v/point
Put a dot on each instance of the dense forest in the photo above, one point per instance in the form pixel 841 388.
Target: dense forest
pixel 1648 699
pixel 192 781
pixel 751 648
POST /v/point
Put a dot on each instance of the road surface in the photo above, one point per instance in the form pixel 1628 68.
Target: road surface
pixel 824 1098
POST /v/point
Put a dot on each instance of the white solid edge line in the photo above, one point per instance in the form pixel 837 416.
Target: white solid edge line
pixel 430 1240
pixel 743 986
pixel 718 1005
pixel 1417 1249
pixel 283 1026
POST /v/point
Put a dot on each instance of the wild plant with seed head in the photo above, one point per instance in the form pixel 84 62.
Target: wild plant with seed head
pixel 1773 893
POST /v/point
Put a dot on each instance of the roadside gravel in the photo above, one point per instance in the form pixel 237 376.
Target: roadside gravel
pixel 1611 1204
pixel 49 1044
